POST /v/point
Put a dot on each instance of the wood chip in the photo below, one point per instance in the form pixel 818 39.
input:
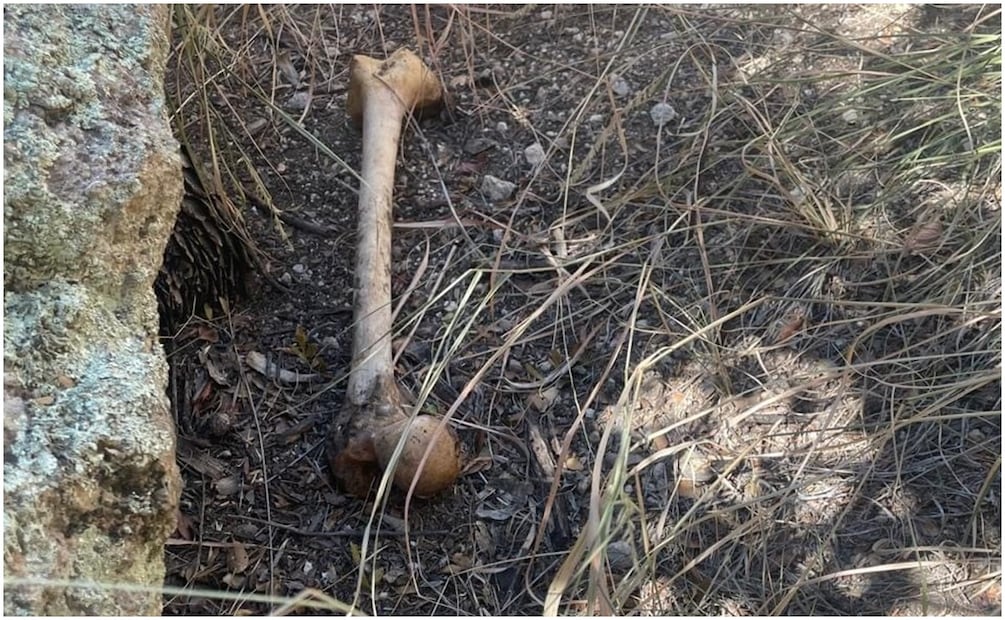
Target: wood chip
pixel 539 447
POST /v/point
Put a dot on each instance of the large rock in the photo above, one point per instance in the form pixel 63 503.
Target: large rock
pixel 92 186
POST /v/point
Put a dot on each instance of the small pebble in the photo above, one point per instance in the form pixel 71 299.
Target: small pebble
pixel 299 268
pixel 619 554
pixel 502 127
pixel 596 119
pixel 619 85
pixel 546 14
pixel 534 154
pixel 662 113
pixel 850 116
pixel 496 189
pixel 475 146
pixel 299 100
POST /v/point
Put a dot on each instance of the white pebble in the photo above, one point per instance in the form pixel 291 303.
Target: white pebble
pixel 850 116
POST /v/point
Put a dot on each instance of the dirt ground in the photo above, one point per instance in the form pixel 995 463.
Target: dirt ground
pixel 681 342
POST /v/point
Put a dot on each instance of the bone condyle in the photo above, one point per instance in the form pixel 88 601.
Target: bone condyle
pixel 381 93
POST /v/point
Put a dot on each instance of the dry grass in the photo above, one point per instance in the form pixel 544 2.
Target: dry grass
pixel 764 340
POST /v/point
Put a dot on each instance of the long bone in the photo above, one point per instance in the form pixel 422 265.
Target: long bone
pixel 381 93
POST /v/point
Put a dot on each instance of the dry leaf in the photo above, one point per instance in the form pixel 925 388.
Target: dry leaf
pixel 477 464
pixel 286 67
pixel 495 514
pixel 573 463
pixel 460 562
pixel 202 331
pixel 789 326
pixel 514 370
pixel 218 375
pixel 924 237
pixel 556 357
pixel 539 447
pixel 473 166
pixel 484 541
pixel 237 558
pixel 695 466
pixel 504 505
pixel 203 397
pixel 792 321
pixel 542 400
pixel 259 363
pixel 306 350
pixel 183 525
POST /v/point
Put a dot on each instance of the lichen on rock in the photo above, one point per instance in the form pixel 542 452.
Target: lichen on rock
pixel 92 186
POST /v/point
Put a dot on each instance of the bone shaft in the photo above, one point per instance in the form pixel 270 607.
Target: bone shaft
pixel 371 343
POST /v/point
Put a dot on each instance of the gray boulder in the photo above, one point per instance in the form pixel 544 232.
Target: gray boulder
pixel 92 186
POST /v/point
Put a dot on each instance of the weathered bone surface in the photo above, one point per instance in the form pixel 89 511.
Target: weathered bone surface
pixel 374 418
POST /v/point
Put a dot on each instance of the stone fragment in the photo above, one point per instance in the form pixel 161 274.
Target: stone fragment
pixel 496 189
pixel 620 85
pixel 662 113
pixel 534 154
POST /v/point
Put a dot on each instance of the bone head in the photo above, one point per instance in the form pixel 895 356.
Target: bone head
pixel 402 77
pixel 443 464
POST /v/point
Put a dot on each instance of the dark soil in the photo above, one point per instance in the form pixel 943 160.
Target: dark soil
pixel 763 478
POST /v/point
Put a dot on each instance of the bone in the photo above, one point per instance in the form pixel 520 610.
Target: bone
pixel 381 94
